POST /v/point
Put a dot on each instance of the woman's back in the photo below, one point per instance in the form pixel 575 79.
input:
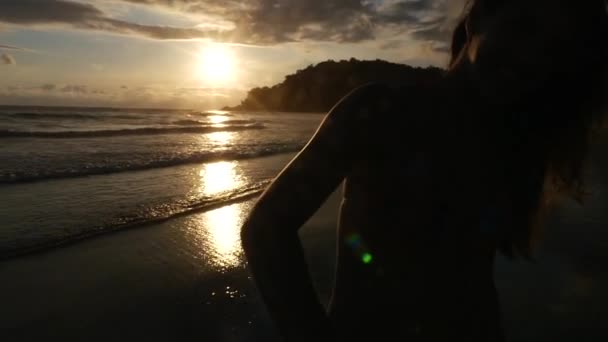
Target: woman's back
pixel 413 259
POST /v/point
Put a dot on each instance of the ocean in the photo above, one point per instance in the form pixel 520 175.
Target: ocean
pixel 73 173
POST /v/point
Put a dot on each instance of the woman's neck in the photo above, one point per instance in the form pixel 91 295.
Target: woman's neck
pixel 461 84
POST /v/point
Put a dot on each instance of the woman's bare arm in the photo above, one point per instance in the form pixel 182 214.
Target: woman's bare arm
pixel 269 235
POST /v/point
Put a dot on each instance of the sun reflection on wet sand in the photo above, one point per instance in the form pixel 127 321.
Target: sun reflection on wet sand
pixel 223 226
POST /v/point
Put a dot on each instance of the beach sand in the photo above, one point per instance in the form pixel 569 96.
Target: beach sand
pixel 158 283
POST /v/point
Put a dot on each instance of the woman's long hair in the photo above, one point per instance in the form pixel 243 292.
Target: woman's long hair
pixel 542 144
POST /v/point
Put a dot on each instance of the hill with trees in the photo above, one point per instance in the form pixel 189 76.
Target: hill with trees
pixel 318 87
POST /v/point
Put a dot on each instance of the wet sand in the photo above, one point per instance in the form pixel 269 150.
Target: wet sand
pixel 158 284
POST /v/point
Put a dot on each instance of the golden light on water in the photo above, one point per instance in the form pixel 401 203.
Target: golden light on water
pixel 219 230
pixel 218 112
pixel 218 177
pixel 221 138
pixel 216 119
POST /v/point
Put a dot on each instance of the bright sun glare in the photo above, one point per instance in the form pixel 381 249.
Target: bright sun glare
pixel 217 64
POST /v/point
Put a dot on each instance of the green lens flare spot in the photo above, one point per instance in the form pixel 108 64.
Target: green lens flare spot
pixel 367 258
pixel 353 239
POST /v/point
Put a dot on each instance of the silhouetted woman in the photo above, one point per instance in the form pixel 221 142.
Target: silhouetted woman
pixel 437 179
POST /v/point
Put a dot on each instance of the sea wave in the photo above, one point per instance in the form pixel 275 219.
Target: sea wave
pixel 72 116
pixel 139 218
pixel 32 175
pixel 135 131
pixel 42 116
pixel 214 113
pixel 188 122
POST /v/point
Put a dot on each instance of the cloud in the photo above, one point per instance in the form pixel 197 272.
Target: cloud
pixel 85 16
pixel 9 47
pixel 153 95
pixel 75 89
pixel 275 21
pixel 252 22
pixel 48 87
pixel 53 11
pixel 7 59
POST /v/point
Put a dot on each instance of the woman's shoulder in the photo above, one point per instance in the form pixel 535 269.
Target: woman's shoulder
pixel 382 93
pixel 393 99
pixel 379 111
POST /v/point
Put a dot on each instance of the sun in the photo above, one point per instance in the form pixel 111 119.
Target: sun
pixel 217 65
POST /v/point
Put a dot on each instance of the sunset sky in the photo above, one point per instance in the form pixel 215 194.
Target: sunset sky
pixel 199 53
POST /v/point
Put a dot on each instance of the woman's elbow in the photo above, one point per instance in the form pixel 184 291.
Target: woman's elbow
pixel 253 234
pixel 248 236
pixel 258 234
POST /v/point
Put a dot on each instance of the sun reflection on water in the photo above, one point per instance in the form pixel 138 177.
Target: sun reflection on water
pixel 216 119
pixel 221 138
pixel 219 177
pixel 219 229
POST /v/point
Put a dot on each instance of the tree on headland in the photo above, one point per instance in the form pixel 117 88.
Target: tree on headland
pixel 317 88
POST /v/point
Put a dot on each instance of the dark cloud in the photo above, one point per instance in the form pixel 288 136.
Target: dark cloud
pixel 76 89
pixel 392 44
pixel 9 47
pixel 432 32
pixel 274 21
pixel 403 11
pixel 335 20
pixel 48 87
pixel 46 11
pixel 436 33
pixel 441 47
pixel 7 59
pixel 156 32
pixel 328 20
pixel 255 21
pixel 85 16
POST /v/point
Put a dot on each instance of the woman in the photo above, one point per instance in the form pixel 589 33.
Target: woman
pixel 438 178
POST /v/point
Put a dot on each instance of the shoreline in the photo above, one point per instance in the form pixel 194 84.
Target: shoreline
pixel 74 239
pixel 274 163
